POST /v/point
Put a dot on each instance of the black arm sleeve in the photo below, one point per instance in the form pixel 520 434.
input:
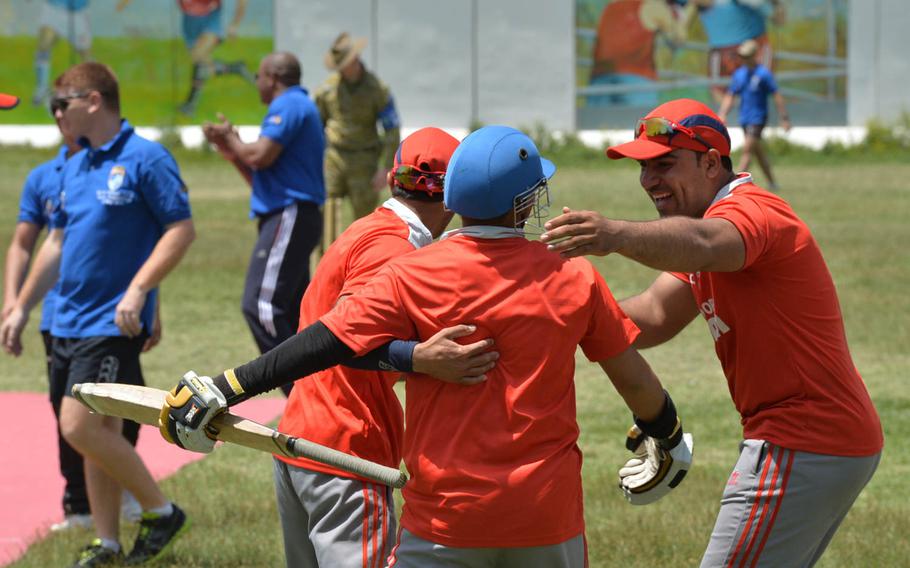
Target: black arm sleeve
pixel 313 349
pixel 397 355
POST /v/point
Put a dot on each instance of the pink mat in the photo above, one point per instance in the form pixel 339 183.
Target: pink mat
pixel 30 483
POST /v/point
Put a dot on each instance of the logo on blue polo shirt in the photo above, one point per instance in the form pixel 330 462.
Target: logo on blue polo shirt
pixel 113 195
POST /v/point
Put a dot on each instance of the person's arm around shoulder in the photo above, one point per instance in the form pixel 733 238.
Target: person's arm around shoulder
pixel 40 280
pixel 18 256
pixel 661 311
pixel 168 252
pixel 673 244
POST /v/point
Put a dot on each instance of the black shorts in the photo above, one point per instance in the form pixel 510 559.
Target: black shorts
pixel 753 130
pixel 96 360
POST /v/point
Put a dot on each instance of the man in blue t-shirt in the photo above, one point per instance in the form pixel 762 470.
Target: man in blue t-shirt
pixel 284 168
pixel 40 199
pixel 123 224
pixel 753 83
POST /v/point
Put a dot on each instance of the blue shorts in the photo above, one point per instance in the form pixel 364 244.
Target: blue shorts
pixel 195 26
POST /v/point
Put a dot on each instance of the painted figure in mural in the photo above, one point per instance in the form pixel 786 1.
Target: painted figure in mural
pixel 728 23
pixel 626 43
pixel 59 18
pixel 203 31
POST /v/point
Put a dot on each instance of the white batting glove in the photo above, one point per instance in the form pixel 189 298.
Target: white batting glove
pixel 187 411
pixel 658 465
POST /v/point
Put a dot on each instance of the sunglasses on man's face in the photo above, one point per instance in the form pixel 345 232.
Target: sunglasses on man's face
pixel 63 102
pixel 411 178
pixel 659 126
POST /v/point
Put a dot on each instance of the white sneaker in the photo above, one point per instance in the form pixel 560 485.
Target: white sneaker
pixel 72 522
pixel 130 509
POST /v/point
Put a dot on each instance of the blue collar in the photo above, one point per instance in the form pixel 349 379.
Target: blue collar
pixel 126 129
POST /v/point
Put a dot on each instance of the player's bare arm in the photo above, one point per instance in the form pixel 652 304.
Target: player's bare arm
pixel 167 253
pixel 18 256
pixel 662 452
pixel 239 12
pixel 782 115
pixel 40 280
pixel 661 311
pixel 677 244
pixel 255 155
pixel 725 105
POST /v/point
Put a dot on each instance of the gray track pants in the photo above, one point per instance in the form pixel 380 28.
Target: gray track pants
pixel 333 522
pixel 781 507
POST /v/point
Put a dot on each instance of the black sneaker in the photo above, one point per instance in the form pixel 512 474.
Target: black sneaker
pixel 97 555
pixel 156 532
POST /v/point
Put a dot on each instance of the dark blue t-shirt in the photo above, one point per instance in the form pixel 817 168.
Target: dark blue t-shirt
pixel 40 199
pixel 753 87
pixel 116 202
pixel 292 121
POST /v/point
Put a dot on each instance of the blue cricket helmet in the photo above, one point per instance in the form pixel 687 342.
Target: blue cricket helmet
pixel 490 168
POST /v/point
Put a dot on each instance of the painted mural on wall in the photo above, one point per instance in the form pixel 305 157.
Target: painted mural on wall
pixel 177 61
pixel 633 54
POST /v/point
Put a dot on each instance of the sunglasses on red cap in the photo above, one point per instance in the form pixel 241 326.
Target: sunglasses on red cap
pixel 413 179
pixel 659 126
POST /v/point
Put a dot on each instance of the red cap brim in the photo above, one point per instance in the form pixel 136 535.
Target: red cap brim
pixel 8 101
pixel 639 149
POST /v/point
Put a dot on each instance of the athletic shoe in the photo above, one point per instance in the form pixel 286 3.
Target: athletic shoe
pixel 75 521
pixel 130 509
pixel 156 532
pixel 97 555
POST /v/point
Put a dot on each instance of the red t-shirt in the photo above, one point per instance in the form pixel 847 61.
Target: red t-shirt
pixel 779 333
pixel 198 7
pixel 494 464
pixel 352 410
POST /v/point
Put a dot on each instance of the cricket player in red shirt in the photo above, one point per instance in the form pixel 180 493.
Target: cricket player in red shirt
pixel 479 454
pixel 330 517
pixel 742 258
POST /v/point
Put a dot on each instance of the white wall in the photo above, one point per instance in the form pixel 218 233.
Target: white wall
pixel 515 66
pixel 878 65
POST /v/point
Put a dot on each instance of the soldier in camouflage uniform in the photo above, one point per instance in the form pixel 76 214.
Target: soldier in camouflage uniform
pixel 357 159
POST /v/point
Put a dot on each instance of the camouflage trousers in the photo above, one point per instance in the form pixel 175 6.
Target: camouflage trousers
pixel 349 173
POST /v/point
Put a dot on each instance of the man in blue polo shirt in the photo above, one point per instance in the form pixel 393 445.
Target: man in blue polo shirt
pixel 122 225
pixel 284 168
pixel 753 83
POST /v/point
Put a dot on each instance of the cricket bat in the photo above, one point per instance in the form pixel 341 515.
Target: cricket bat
pixel 143 405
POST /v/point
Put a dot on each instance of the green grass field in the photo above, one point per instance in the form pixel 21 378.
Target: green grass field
pixel 857 211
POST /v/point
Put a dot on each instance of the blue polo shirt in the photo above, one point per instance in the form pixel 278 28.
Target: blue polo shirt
pixel 753 87
pixel 116 202
pixel 40 199
pixel 293 121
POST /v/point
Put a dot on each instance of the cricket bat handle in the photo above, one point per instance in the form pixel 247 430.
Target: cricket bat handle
pixel 248 433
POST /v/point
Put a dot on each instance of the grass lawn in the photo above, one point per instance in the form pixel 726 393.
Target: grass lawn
pixel 856 210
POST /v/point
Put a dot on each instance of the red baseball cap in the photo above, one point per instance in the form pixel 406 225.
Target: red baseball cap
pixel 427 150
pixel 8 101
pixel 681 123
